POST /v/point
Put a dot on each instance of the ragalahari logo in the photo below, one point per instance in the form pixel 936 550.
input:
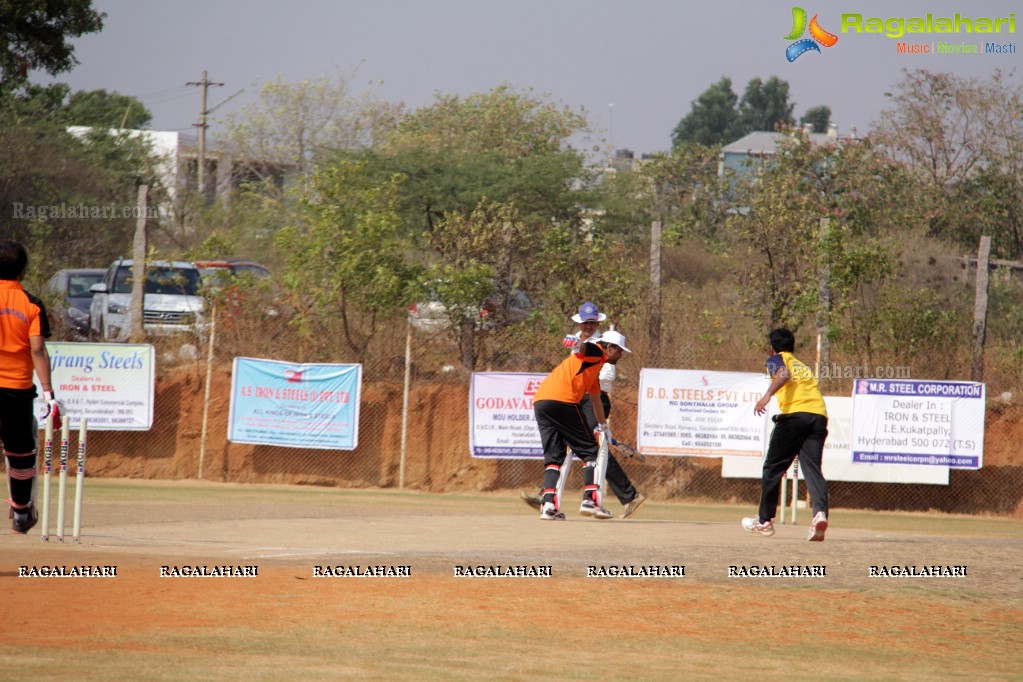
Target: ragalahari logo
pixel 817 35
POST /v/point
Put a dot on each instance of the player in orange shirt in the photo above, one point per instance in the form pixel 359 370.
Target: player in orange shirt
pixel 561 422
pixel 23 326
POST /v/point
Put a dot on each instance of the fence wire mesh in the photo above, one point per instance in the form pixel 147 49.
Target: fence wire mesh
pixel 189 436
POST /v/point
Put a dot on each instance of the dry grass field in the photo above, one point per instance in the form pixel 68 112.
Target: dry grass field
pixel 287 623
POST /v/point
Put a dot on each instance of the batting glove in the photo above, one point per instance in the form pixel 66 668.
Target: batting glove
pixel 53 407
pixel 606 430
pixel 570 341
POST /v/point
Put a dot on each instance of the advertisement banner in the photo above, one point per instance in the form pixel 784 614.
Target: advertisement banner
pixel 295 405
pixel 111 384
pixel 501 420
pixel 837 462
pixel 700 413
pixel 932 423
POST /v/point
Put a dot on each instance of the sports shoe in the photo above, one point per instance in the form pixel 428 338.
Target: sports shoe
pixel 22 520
pixel 817 527
pixel 550 513
pixel 633 506
pixel 532 500
pixel 755 525
pixel 591 508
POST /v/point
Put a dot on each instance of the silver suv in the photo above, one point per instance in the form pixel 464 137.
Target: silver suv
pixel 172 300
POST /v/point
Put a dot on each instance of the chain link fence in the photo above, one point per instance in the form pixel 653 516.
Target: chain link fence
pixel 189 436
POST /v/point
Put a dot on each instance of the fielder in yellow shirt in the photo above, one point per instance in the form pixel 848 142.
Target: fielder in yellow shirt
pixel 800 429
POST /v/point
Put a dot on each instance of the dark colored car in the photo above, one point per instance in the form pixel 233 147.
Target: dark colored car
pixel 71 317
pixel 219 273
pixel 225 280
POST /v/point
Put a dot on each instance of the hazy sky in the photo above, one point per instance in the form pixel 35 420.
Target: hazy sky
pixel 635 66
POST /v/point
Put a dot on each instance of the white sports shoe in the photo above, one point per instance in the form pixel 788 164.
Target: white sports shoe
pixel 550 513
pixel 591 508
pixel 755 525
pixel 817 527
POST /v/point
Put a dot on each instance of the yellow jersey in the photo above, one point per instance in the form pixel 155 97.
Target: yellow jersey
pixel 800 393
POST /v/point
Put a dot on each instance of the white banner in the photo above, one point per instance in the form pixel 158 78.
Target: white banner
pixel 501 420
pixel 699 413
pixel 111 384
pixel 933 423
pixel 837 462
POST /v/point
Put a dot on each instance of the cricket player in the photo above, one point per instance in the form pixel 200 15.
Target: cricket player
pixel 561 423
pixel 23 326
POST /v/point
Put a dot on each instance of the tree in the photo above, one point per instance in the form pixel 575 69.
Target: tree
pixel 346 257
pixel 681 188
pixel 502 146
pixel 818 119
pixel 59 105
pixel 102 109
pixel 867 201
pixel 37 35
pixel 713 119
pixel 961 136
pixel 292 125
pixel 492 193
pixel 765 106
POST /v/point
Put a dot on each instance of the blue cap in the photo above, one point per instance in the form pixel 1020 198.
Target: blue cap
pixel 588 313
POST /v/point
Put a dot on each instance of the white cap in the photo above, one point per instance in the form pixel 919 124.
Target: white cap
pixel 615 338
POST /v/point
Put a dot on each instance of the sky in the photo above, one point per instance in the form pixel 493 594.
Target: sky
pixel 634 66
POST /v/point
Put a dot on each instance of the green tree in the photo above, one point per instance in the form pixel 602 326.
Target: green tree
pixel 817 118
pixel 502 146
pixel 866 199
pixel 102 109
pixel 681 188
pixel 38 34
pixel 765 106
pixel 346 260
pixel 61 195
pixel 713 119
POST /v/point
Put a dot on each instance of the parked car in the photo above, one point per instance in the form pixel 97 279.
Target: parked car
pixel 172 300
pixel 226 280
pixel 432 315
pixel 73 288
pixel 217 274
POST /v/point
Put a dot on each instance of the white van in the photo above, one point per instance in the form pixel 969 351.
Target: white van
pixel 172 301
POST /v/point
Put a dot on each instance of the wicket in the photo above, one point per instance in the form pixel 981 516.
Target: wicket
pixel 65 437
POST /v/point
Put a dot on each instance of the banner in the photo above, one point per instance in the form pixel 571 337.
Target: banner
pixel 933 423
pixel 837 462
pixel 299 406
pixel 111 384
pixel 501 419
pixel 699 413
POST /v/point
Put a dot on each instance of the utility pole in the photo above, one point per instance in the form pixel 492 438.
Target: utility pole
pixel 980 309
pixel 205 84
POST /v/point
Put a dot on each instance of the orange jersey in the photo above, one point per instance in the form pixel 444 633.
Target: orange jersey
pixel 20 318
pixel 577 375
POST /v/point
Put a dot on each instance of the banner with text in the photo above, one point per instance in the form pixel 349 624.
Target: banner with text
pixel 699 413
pixel 501 420
pixel 935 423
pixel 111 384
pixel 292 405
pixel 837 462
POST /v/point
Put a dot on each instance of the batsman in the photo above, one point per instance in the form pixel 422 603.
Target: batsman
pixel 561 423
